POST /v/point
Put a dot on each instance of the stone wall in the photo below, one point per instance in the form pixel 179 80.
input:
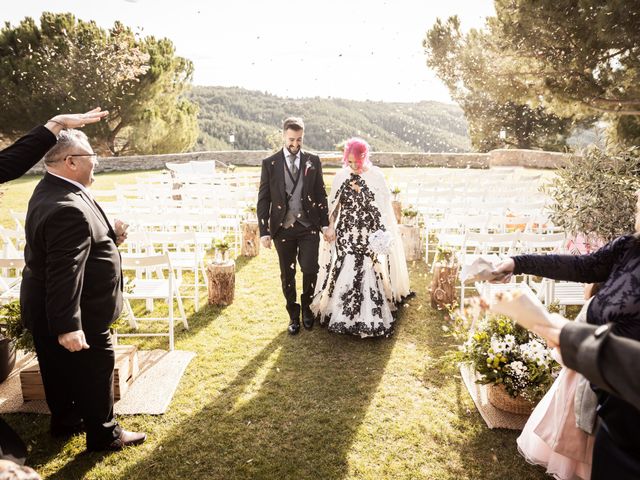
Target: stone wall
pixel 506 157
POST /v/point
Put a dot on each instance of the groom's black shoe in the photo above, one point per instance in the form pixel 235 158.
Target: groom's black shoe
pixel 294 315
pixel 294 326
pixel 307 319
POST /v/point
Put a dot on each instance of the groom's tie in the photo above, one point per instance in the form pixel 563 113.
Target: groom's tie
pixel 292 163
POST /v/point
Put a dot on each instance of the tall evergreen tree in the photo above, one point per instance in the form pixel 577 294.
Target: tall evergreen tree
pixel 471 67
pixel 67 64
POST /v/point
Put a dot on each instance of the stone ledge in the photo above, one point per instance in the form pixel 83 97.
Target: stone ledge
pixel 503 157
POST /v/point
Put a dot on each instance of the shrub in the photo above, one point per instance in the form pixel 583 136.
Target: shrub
pixel 594 194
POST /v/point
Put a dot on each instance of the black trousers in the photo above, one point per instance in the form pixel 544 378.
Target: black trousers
pixel 302 243
pixel 79 386
pixel 611 462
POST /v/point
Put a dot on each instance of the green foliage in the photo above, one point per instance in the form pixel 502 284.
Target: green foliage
pixel 594 194
pixel 11 326
pixel 577 58
pixel 69 65
pixel 409 212
pixel 255 119
pixel 445 254
pixel 503 352
pixel 471 67
pixel 221 244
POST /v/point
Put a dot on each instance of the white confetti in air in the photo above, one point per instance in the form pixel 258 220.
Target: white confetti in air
pixel 293 266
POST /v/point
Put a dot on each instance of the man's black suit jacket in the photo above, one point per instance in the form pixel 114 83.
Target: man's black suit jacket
pixel 19 157
pixel 272 197
pixel 72 277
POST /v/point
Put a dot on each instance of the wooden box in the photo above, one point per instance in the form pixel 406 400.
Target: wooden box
pixel 125 372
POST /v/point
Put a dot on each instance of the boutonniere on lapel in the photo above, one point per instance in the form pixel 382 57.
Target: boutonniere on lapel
pixel 308 166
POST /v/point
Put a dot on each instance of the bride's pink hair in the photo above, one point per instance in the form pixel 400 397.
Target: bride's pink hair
pixel 360 150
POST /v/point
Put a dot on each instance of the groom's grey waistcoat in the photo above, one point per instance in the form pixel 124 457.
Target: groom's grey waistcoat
pixel 295 210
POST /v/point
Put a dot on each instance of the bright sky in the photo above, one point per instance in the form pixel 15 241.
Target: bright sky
pixel 356 49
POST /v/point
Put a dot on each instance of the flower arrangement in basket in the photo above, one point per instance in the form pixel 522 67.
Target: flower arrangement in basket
pixel 516 363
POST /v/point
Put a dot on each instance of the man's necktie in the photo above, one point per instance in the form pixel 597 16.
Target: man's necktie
pixel 292 163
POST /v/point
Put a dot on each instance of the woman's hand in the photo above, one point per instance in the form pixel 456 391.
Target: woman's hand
pixel 329 234
pixel 504 271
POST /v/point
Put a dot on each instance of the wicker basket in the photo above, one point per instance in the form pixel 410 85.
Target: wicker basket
pixel 500 399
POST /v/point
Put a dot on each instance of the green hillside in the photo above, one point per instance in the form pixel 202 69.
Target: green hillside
pixel 254 119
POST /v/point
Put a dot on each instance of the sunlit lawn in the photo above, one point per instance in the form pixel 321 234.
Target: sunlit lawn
pixel 256 403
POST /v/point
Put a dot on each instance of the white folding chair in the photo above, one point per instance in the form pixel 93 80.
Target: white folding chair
pixel 491 246
pixel 186 254
pixel 147 286
pixel 564 293
pixel 10 278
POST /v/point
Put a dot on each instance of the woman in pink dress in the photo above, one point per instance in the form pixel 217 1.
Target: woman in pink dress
pixel 551 437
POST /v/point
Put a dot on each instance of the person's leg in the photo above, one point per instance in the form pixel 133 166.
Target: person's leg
pixel 612 462
pixel 56 380
pixel 308 243
pixel 286 245
pixel 93 390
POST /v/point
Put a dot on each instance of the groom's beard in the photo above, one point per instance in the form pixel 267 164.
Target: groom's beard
pixel 293 150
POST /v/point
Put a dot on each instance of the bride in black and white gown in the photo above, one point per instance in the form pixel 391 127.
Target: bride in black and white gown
pixel 363 272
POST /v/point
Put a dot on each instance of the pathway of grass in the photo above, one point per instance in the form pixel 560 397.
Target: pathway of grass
pixel 256 403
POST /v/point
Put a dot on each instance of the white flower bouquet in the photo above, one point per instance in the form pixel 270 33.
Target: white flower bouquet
pixel 380 242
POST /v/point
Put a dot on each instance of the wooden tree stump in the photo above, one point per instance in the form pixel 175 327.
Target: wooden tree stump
pixel 250 238
pixel 443 285
pixel 397 210
pixel 222 282
pixel 411 241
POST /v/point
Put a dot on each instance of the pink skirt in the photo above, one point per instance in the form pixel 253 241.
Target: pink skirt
pixel 551 438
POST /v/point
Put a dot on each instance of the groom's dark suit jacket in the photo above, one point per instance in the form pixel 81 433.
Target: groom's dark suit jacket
pixel 72 277
pixel 272 197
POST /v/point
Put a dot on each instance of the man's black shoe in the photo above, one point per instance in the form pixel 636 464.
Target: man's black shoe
pixel 294 327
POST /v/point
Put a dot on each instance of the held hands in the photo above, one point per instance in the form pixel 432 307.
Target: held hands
pixel 504 271
pixel 75 120
pixel 266 241
pixel 73 341
pixel 121 231
pixel 329 234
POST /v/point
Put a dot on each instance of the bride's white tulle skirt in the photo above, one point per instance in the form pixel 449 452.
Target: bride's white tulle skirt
pixel 357 306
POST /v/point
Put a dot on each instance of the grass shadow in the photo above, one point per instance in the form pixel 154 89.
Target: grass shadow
pixel 291 412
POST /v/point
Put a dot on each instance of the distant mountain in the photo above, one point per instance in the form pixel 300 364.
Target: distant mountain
pixel 254 119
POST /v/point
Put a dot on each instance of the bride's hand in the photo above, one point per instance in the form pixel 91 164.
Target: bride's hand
pixel 329 235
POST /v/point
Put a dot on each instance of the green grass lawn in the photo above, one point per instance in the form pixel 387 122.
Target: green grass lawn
pixel 256 403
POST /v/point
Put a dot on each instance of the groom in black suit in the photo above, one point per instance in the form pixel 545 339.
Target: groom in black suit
pixel 70 294
pixel 292 210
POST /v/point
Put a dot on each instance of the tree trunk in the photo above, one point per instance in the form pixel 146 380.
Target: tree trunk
pixel 443 285
pixel 222 282
pixel 410 235
pixel 250 238
pixel 397 210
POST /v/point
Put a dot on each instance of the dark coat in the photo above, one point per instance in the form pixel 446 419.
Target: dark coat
pixel 18 158
pixel 72 279
pixel 272 197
